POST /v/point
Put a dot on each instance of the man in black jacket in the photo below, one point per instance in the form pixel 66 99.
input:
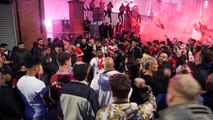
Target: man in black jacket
pixel 20 54
pixel 202 67
pixel 135 50
pixel 37 50
pixel 9 102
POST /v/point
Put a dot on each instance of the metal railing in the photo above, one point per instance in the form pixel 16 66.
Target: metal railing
pixel 88 14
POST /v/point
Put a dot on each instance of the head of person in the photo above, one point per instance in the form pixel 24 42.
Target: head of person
pixel 132 69
pixel 163 57
pixel 203 56
pixel 179 43
pixel 83 41
pixel 162 43
pixel 150 64
pixel 33 64
pixel 47 50
pixel 120 85
pixel 198 48
pixel 40 42
pixel 112 41
pixel 99 53
pixel 3 47
pixel 155 42
pixel 98 44
pixel 21 45
pixel 73 59
pixel 49 40
pixel 6 75
pixel 72 45
pixel 64 59
pixel 21 71
pixel 126 43
pixel 108 64
pixel 59 47
pixel 106 24
pixel 144 57
pixel 148 44
pixel 133 44
pixel 80 71
pixel 121 48
pixel 192 42
pixel 183 89
pixel 91 41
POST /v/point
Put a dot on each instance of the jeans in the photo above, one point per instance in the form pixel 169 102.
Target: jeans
pixel 120 17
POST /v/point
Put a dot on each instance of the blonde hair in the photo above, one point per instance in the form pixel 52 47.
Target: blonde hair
pixel 148 61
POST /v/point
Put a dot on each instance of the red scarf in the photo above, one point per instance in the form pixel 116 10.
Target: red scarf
pixel 100 63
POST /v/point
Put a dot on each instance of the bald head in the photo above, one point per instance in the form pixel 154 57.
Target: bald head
pixel 108 64
pixel 183 89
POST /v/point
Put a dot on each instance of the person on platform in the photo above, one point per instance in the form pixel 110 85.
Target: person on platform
pixel 121 13
pixel 92 5
pixel 101 4
pixel 87 28
pixel 109 11
pixel 101 31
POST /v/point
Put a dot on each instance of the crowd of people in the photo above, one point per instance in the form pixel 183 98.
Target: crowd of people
pixel 128 13
pixel 113 78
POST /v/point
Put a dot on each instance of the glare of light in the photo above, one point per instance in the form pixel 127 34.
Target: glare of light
pixel 206 4
pixel 48 23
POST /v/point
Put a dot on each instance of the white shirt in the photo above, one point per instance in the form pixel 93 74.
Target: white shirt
pixel 32 90
pixel 94 63
pixel 100 85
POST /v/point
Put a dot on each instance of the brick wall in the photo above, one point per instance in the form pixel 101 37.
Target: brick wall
pixel 30 21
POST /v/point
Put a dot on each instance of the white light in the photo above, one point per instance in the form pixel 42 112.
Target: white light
pixel 206 3
pixel 48 23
